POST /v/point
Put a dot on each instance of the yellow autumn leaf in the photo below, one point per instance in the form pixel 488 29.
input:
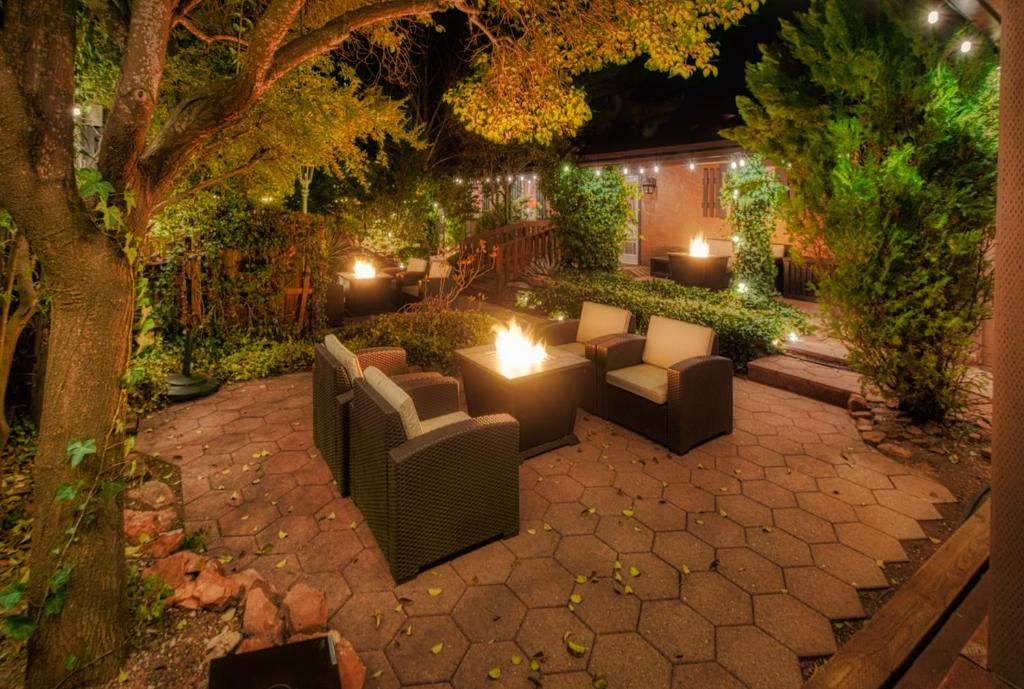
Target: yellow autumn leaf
pixel 437 648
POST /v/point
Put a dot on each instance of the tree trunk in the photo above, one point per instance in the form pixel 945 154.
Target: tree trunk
pixel 90 342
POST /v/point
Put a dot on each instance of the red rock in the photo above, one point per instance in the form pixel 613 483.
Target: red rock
pixel 857 403
pixel 896 451
pixel 350 669
pixel 147 524
pixel 215 591
pixel 174 570
pixel 184 596
pixel 250 577
pixel 305 609
pixel 165 543
pixel 254 643
pixel 261 616
pixel 153 494
pixel 873 437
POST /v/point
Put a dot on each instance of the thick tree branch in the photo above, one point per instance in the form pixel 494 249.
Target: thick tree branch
pixel 335 32
pixel 212 181
pixel 124 136
pixel 206 37
pixel 111 17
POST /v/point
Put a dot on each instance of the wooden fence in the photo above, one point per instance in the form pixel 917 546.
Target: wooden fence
pixel 514 247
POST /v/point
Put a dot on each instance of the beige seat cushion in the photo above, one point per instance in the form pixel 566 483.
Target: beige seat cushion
pixel 427 425
pixel 396 397
pixel 670 341
pixel 577 348
pixel 644 380
pixel 416 265
pixel 597 320
pixel 720 247
pixel 345 356
pixel 439 269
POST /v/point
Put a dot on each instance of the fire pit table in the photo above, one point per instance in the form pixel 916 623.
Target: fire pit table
pixel 542 396
pixel 370 295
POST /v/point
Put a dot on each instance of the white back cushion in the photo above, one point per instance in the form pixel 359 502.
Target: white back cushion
pixel 439 269
pixel 597 320
pixel 720 247
pixel 416 265
pixel 396 397
pixel 348 360
pixel 670 341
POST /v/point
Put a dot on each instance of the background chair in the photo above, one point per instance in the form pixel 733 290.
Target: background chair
pixel 434 282
pixel 578 335
pixel 429 480
pixel 335 368
pixel 669 386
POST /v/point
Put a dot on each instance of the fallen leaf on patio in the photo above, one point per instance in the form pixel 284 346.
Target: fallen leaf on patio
pixel 376 618
pixel 437 648
pixel 494 673
pixel 686 570
pixel 699 521
pixel 132 551
pixel 766 529
pixel 880 563
pixel 267 549
pixel 723 513
pixel 591 510
pixel 535 665
pixel 330 517
pixel 245 467
pixel 628 512
pixel 783 590
pixel 435 591
pixel 282 535
pixel 600 683
pixel 532 531
pixel 261 453
pixel 122 677
pixel 408 630
pixel 576 598
pixel 353 526
pixel 580 579
pixel 282 563
pixel 935 540
pixel 516 660
pixel 617 576
pixel 838 625
pixel 575 649
pixel 547 527
pixel 229 614
pixel 377 674
pixel 699 465
pixel 634 572
pixel 235 496
pixel 627 589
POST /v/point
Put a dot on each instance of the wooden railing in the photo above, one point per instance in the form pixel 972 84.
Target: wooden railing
pixel 515 247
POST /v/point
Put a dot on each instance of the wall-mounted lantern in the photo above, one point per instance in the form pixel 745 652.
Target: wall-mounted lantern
pixel 649 185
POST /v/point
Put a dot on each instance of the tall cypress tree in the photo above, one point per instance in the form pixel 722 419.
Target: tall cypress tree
pixel 890 133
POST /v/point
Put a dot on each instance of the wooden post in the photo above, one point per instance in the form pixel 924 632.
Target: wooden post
pixel 1006 604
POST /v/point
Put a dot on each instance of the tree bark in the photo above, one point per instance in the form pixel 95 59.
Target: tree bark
pixel 21 270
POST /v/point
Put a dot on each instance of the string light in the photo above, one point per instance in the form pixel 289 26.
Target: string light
pixel 743 162
pixel 933 17
pixel 693 166
pixel 625 170
pixel 732 165
pixel 76 111
pixel 597 172
pixel 641 171
pixel 965 47
pixel 741 288
pixel 657 169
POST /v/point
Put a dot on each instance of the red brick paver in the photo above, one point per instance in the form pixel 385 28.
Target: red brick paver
pixel 737 557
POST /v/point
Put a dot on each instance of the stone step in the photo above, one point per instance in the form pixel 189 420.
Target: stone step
pixel 825 353
pixel 818 381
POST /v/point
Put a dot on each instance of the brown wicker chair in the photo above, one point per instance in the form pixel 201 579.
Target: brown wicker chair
pixel 449 487
pixel 578 336
pixel 331 419
pixel 433 282
pixel 669 386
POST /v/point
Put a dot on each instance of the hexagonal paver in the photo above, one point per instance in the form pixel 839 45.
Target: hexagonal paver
pixel 430 653
pixel 605 607
pixel 758 660
pixel 542 632
pixel 370 620
pixel 368 571
pixel 585 555
pixel 433 592
pixel 690 498
pixel 638 485
pixel 743 510
pixel 811 466
pixel 657 578
pixel 749 571
pixel 489 613
pixel 871 542
pixel 804 631
pixel 541 582
pixel 856 569
pixel 490 564
pixel 379 674
pixel 933 491
pixel 804 525
pixel 847 491
pixel 571 519
pixel 660 515
pixel 624 534
pixel 791 479
pixel 677 631
pixel 893 523
pixel 827 507
pixel 717 598
pixel 779 547
pixel 605 500
pixel 907 504
pixel 627 661
pixel 715 482
pixel 703 676
pixel 287 534
pixel 831 597
pixel 248 519
pixel 559 489
pixel 533 540
pixel 482 658
pixel 683 550
pixel 863 476
pixel 769 494
pixel 715 530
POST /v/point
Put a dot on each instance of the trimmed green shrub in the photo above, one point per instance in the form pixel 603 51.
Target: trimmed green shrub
pixel 751 195
pixel 429 337
pixel 748 325
pixel 891 135
pixel 591 214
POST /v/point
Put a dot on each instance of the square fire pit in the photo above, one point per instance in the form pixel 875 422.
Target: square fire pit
pixel 710 271
pixel 365 296
pixel 543 396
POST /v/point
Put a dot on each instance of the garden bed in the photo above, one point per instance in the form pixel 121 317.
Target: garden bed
pixel 748 326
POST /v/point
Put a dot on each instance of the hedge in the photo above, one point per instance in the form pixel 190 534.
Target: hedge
pixel 748 326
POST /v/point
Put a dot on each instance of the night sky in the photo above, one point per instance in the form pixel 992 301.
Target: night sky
pixel 637 108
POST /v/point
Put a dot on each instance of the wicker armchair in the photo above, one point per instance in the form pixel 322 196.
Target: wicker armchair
pixel 331 380
pixel 448 484
pixel 669 386
pixel 578 336
pixel 431 283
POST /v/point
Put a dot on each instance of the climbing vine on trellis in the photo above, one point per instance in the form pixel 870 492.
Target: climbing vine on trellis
pixel 751 195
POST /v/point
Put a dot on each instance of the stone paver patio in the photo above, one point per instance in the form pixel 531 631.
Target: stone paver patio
pixel 718 569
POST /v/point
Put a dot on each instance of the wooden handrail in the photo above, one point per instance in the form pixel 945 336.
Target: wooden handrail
pixel 514 247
